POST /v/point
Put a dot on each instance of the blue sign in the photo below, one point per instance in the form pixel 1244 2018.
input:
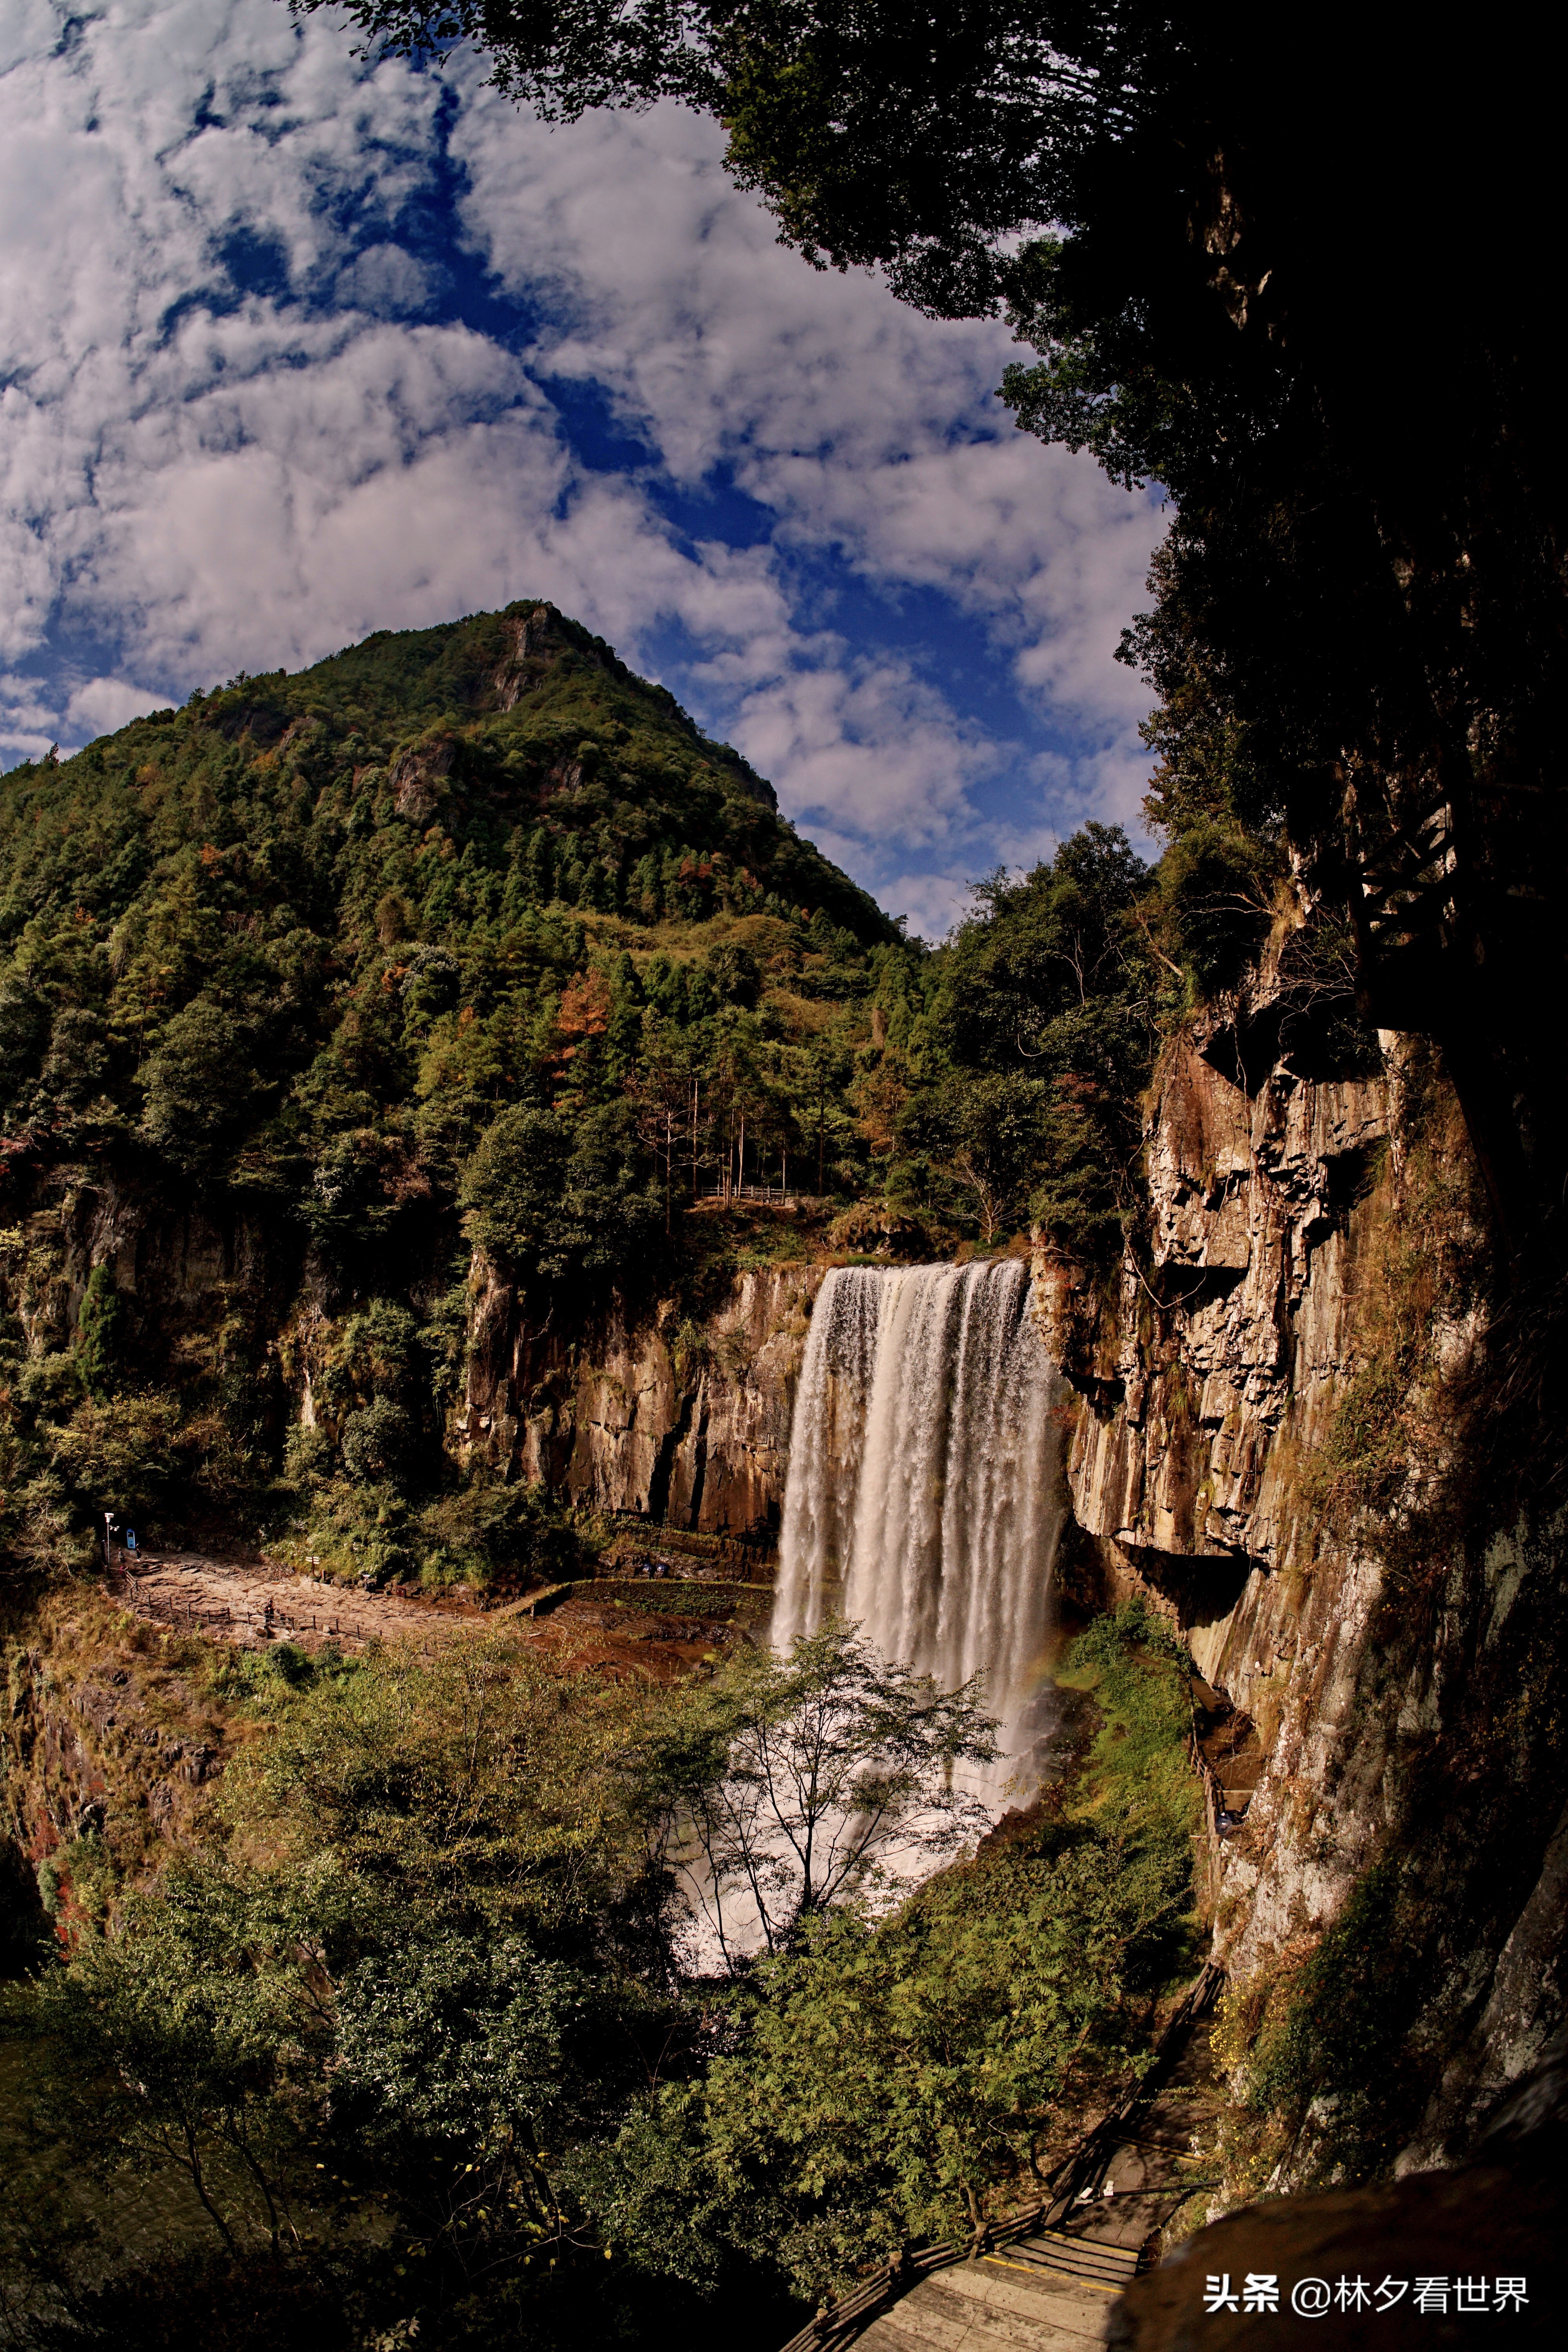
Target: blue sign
pixel 130 1539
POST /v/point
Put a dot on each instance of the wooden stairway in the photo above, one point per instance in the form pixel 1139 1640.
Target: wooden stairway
pixel 1052 2254
pixel 1050 2292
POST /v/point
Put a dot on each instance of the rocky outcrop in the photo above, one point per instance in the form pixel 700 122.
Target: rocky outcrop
pixel 107 1745
pixel 1209 1379
pixel 1392 1640
pixel 684 1420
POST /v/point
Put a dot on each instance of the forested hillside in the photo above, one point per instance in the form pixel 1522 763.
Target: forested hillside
pixel 311 932
pixel 466 938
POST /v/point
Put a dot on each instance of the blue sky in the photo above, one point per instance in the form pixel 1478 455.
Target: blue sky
pixel 294 346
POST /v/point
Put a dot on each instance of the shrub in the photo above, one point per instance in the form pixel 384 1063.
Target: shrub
pixel 126 1453
pixel 1216 886
pixel 98 1333
pixel 379 1443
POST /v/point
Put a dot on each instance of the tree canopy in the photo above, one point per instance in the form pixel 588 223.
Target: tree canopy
pixel 412 2032
pixel 1293 276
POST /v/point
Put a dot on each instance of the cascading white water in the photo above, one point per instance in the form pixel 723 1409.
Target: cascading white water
pixel 924 1493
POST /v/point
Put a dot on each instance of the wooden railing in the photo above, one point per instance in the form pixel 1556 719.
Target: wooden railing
pixel 839 2321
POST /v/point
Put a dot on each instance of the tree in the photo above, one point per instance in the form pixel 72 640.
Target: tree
pixel 989 1136
pixel 462 2065
pixel 171 2045
pixel 1049 1007
pixel 555 1198
pixel 199 1083
pixel 918 137
pixel 124 1450
pixel 809 1781
pixel 98 1333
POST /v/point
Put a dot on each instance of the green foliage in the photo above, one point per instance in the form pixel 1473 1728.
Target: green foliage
pixel 484 1530
pixel 169 2045
pixel 464 922
pixel 1340 2032
pixel 884 2081
pixel 917 138
pixel 1216 893
pixel 125 1451
pixel 551 1198
pixel 1138 1782
pixel 377 1442
pixel 1046 1018
pixel 198 1085
pixel 889 2080
pixel 306 937
pixel 99 1334
pixel 433 1955
pixel 1327 2076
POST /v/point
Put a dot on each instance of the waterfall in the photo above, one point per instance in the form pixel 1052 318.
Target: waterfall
pixel 924 1492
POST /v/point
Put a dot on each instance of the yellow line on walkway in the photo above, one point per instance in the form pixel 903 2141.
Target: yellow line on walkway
pixel 1033 2270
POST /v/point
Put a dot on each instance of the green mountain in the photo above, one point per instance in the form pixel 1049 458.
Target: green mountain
pixel 306 905
pixel 468 940
pixel 465 935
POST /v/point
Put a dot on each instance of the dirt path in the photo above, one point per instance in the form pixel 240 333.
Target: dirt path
pixel 255 1601
pixel 250 1602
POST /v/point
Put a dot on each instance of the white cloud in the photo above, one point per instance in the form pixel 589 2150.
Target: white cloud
pixel 867 749
pixel 234 431
pixel 864 427
pixel 102 704
pixel 388 279
pixel 29 722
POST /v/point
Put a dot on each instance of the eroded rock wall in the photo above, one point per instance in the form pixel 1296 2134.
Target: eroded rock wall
pixel 681 1412
pixel 687 1421
pixel 108 1748
pixel 1400 1666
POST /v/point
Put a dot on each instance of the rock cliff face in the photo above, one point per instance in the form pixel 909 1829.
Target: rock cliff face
pixel 1206 1387
pixel 687 1422
pixel 1277 1442
pixel 684 1415
pixel 1224 1365
pixel 106 1752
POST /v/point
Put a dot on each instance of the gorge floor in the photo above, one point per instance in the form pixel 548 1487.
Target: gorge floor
pixel 252 1601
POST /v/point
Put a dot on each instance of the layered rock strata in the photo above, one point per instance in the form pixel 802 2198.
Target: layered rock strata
pixel 687 1422
pixel 1393 1662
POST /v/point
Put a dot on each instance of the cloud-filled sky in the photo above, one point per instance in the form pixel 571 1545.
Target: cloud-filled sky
pixel 294 346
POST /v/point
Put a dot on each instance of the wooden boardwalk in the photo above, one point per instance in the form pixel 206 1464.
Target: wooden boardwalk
pixel 1045 2293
